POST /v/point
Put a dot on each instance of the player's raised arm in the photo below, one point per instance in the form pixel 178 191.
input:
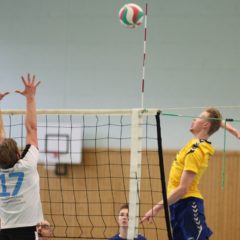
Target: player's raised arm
pixel 231 129
pixel 31 117
pixel 2 131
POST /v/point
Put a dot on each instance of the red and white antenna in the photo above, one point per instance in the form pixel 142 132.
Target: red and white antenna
pixel 144 54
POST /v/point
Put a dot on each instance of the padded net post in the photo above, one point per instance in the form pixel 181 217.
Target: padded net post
pixel 135 172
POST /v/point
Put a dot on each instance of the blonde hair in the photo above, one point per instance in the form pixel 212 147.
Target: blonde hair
pixel 215 120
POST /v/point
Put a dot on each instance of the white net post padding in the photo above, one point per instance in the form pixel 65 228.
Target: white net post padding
pixel 135 172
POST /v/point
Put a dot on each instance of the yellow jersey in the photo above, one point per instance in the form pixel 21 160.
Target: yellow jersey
pixel 194 157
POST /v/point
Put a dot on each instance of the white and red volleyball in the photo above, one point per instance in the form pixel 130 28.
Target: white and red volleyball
pixel 131 15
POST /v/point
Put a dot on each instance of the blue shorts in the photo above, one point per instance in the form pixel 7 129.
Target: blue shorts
pixel 188 220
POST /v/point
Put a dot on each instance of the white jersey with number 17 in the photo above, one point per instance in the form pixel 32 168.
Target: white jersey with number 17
pixel 20 204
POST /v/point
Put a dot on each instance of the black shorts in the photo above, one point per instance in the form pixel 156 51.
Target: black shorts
pixel 22 233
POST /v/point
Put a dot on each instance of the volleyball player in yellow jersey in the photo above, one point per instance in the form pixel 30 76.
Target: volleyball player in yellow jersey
pixel 184 198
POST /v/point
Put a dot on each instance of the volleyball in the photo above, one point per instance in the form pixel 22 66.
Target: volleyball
pixel 131 15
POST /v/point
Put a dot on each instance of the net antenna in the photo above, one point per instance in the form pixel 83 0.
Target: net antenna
pixel 144 55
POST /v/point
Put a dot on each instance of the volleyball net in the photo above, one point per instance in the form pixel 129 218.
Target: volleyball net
pixel 93 161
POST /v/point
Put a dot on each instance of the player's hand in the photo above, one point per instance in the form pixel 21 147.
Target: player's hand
pixel 148 216
pixel 30 84
pixel 151 213
pixel 2 95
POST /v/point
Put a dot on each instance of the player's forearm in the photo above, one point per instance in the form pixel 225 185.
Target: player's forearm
pixel 172 198
pixel 31 117
pixel 2 131
pixel 230 129
pixel 176 195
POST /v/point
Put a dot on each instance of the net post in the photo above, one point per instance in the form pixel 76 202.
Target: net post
pixel 135 172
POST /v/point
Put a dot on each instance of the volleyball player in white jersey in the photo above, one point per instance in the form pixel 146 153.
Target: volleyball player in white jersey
pixel 20 205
